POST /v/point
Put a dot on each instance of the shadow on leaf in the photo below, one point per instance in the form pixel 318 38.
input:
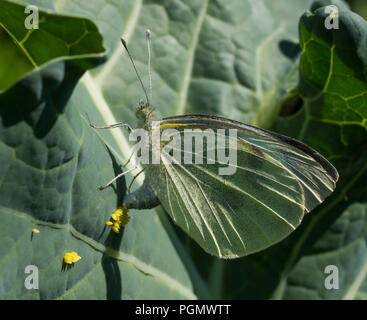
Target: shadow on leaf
pixel 110 265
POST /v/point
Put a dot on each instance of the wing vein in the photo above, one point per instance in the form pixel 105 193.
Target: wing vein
pixel 201 216
pixel 234 187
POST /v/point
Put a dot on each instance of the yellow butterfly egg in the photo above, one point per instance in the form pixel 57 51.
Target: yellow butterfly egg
pixel 115 216
pixel 120 217
pixel 116 228
pixel 71 257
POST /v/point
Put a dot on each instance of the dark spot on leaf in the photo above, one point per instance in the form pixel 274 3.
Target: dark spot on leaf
pixel 291 106
pixel 290 49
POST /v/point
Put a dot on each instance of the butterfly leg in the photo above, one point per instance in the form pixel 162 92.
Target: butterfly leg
pixel 112 126
pixel 115 178
pixel 128 160
pixel 132 181
pixel 116 125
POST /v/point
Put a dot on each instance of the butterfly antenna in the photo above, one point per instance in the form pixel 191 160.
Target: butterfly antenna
pixel 149 68
pixel 136 71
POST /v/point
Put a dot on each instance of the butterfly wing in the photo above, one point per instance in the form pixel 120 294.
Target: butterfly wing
pixel 276 181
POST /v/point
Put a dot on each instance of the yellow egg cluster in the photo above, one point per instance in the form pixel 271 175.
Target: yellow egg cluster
pixel 120 218
pixel 71 257
pixel 34 230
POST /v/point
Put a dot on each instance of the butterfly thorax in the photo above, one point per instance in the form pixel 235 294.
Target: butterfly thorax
pixel 145 114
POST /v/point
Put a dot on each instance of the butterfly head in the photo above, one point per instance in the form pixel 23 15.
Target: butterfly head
pixel 145 113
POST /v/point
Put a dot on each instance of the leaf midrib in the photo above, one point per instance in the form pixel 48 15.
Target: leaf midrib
pixel 182 101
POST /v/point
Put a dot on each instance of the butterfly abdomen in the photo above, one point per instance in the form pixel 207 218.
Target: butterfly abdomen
pixel 142 198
